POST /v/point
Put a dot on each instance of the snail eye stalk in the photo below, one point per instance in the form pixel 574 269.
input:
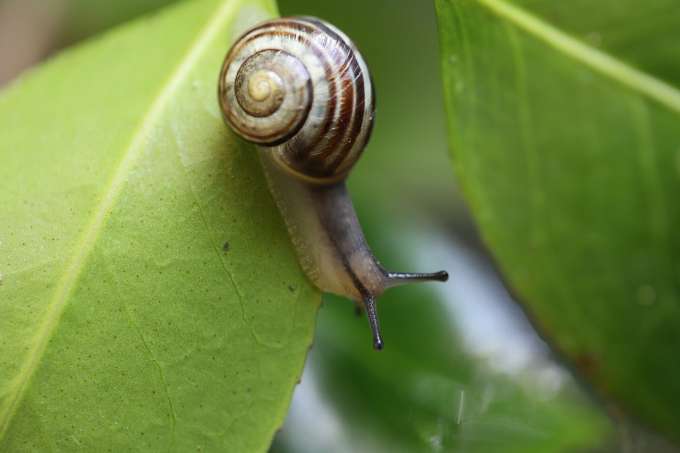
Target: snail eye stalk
pixel 400 278
pixel 374 322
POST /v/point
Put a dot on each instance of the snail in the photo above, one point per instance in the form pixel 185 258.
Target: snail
pixel 299 89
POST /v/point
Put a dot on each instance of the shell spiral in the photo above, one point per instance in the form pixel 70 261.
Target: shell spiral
pixel 299 86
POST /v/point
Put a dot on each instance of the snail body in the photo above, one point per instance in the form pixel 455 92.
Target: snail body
pixel 299 89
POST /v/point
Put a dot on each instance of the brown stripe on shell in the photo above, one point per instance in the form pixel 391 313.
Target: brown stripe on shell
pixel 355 120
pixel 309 27
pixel 328 147
pixel 355 111
pixel 333 149
pixel 369 121
pixel 302 155
pixel 348 61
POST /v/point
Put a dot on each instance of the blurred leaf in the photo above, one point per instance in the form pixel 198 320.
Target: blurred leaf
pixel 83 18
pixel 564 121
pixel 426 392
pixel 409 401
pixel 150 299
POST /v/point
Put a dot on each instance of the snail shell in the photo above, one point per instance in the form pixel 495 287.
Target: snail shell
pixel 299 89
pixel 299 85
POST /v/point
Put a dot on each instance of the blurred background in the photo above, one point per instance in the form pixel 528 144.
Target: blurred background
pixel 463 370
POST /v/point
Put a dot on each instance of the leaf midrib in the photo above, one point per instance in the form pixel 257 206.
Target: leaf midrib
pixel 88 239
pixel 607 65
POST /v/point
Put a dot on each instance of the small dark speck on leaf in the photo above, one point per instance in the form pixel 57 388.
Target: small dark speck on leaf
pixel 291 288
pixel 225 247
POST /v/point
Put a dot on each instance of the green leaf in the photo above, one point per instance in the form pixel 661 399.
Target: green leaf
pixel 150 299
pixel 563 122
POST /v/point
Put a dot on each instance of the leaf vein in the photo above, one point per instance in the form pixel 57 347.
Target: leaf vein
pixel 220 256
pixel 600 61
pixel 157 365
